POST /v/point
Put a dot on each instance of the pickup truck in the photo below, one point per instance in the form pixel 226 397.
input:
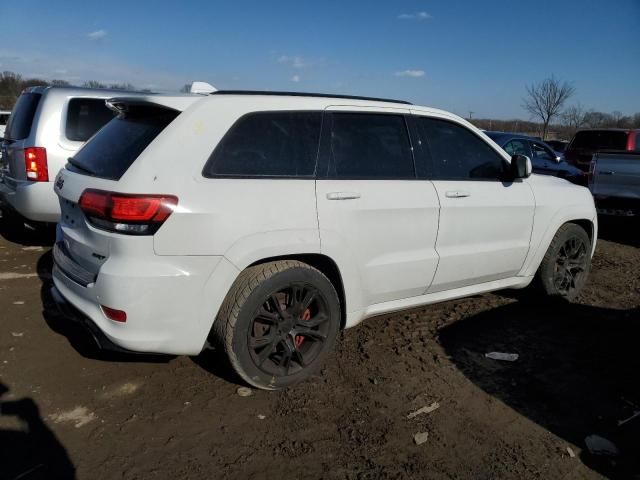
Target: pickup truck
pixel 614 181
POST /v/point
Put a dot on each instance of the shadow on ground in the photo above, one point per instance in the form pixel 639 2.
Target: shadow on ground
pixel 577 373
pixel 623 230
pixel 14 230
pixel 30 450
pixel 217 363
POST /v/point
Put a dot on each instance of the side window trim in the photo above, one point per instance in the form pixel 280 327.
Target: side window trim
pixel 422 160
pixel 326 154
pixel 312 176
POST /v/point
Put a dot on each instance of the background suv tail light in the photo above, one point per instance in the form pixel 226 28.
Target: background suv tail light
pixel 127 213
pixel 35 163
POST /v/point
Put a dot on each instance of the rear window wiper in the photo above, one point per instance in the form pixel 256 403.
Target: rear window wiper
pixel 80 167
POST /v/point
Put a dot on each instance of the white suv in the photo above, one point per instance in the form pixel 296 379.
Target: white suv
pixel 264 223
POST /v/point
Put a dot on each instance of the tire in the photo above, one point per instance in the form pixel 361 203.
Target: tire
pixel 278 323
pixel 566 264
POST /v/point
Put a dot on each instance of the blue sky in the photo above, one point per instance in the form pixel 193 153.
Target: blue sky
pixel 458 55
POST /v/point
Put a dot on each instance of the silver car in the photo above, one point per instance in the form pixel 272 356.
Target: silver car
pixel 46 127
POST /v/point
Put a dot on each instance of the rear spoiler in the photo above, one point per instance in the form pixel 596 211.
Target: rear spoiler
pixel 177 103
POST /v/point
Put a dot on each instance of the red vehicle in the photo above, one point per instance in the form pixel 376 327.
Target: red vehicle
pixel 587 142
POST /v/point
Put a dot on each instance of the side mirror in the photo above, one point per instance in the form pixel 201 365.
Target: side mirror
pixel 521 166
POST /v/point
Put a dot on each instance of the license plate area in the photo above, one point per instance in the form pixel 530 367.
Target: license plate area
pixel 70 268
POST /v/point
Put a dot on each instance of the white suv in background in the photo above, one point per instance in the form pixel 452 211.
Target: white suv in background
pixel 264 223
pixel 47 126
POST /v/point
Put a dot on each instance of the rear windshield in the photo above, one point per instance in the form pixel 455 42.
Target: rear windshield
pixel 116 146
pixel 85 116
pixel 19 125
pixel 600 140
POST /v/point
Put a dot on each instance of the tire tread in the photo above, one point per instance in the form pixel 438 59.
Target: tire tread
pixel 248 280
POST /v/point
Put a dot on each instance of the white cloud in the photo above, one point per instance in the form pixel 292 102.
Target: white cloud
pixel 295 61
pixel 410 73
pixel 415 16
pixel 97 35
pixel 295 78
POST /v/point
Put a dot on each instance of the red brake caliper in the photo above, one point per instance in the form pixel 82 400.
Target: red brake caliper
pixel 306 316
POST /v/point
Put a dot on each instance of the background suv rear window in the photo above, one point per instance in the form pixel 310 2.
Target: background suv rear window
pixel 600 140
pixel 268 144
pixel 85 116
pixel 116 146
pixel 21 118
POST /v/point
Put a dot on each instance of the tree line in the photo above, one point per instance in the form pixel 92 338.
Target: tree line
pixel 12 84
pixel 567 124
pixel 545 102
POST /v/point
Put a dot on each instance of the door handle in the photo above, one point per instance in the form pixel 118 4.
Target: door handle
pixel 342 195
pixel 457 194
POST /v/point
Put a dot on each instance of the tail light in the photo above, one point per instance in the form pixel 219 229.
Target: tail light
pixel 35 163
pixel 127 213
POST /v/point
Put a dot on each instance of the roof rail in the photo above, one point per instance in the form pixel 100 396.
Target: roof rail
pixel 305 94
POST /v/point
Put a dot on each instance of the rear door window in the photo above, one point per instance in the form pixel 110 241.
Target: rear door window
pixel 370 146
pixel 19 125
pixel 596 140
pixel 268 144
pixel 116 146
pixel 85 116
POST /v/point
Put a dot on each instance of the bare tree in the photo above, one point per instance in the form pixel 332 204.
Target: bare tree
pixel 122 86
pixel 546 99
pixel 94 84
pixel 60 83
pixel 574 117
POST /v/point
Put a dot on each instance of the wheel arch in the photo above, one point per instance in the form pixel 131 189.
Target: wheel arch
pixel 324 264
pixel 562 218
pixel 587 225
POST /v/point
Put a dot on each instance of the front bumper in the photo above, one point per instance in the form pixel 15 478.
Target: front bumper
pixel 35 201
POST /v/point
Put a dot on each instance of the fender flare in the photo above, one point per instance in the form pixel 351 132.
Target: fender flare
pixel 567 214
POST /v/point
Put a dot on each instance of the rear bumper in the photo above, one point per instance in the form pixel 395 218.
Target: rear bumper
pixel 168 308
pixel 35 201
pixel 69 312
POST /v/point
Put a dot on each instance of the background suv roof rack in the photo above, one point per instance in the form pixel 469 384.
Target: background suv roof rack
pixel 305 94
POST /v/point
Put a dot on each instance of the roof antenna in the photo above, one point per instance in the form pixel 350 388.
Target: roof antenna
pixel 202 88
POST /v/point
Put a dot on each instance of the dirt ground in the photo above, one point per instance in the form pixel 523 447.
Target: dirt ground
pixel 70 411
